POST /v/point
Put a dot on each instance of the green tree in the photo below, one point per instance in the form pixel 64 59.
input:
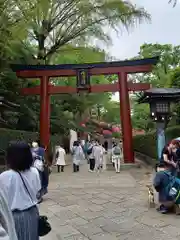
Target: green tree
pixel 141 117
pixel 111 112
pixel 163 75
pixel 169 58
pixel 41 31
pixel 52 24
pixel 175 83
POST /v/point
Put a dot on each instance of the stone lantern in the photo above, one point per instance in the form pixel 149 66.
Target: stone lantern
pixel 159 100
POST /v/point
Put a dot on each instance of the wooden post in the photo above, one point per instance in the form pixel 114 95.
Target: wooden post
pixel 125 115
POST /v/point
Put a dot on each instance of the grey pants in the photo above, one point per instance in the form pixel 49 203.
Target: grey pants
pixel 26 223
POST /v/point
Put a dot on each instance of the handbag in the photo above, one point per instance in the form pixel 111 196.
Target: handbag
pixel 44 226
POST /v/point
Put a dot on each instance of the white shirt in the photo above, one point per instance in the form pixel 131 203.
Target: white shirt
pixel 7 227
pixel 97 152
pixel 60 160
pixel 77 155
pixel 17 195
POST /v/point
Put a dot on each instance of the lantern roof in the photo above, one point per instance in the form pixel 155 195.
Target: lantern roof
pixel 160 94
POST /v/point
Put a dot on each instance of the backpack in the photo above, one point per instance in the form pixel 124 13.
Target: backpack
pixel 117 150
pixel 38 161
pixel 173 188
pixel 89 151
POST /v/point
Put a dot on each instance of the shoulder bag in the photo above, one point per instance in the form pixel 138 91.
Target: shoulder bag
pixel 44 226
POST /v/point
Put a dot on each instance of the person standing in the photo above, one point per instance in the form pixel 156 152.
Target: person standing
pixel 77 155
pixel 104 157
pixel 38 154
pixel 60 158
pixel 91 156
pixel 21 184
pixel 86 146
pixel 116 156
pixel 97 152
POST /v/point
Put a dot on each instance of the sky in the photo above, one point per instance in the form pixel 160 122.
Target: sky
pixel 163 29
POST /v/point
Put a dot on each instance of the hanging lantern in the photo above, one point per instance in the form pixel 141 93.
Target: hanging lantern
pixel 83 80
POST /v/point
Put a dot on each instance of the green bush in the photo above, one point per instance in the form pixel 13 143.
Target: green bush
pixel 146 144
pixel 7 135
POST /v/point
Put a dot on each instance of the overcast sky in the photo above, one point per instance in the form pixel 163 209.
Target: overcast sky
pixel 164 28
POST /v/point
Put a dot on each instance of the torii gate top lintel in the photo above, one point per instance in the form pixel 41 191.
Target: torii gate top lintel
pixel 104 68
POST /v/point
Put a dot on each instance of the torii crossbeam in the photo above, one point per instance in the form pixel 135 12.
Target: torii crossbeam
pixel 121 68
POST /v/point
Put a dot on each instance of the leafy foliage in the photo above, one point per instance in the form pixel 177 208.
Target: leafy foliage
pixel 169 59
pixel 163 75
pixel 146 144
pixel 53 31
pixel 53 24
pixel 141 117
pixel 8 135
pixel 111 112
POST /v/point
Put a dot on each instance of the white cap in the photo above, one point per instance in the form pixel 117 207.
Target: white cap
pixel 34 144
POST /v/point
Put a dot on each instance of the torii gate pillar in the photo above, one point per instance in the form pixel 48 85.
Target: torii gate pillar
pixel 125 116
pixel 44 112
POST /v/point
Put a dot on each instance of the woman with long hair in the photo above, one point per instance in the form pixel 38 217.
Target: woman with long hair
pixel 22 184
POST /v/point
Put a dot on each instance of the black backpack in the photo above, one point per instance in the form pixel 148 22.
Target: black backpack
pixel 89 151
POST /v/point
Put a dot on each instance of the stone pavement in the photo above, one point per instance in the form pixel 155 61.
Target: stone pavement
pixel 108 206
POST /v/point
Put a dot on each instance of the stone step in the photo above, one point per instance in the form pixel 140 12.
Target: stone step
pixel 124 166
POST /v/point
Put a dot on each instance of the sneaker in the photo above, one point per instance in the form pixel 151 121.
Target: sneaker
pixel 162 209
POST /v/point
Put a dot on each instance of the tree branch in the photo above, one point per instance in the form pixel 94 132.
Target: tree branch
pixel 79 32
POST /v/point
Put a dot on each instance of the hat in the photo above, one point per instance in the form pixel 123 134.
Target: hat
pixel 34 144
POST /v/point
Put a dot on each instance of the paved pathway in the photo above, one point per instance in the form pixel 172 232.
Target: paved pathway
pixel 109 206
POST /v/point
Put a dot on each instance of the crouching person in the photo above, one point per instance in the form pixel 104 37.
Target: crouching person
pixel 168 188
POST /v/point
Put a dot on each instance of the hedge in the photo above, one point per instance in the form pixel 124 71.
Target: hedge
pixel 146 144
pixel 7 135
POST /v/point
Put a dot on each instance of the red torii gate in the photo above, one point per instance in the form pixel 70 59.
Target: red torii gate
pixel 121 68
